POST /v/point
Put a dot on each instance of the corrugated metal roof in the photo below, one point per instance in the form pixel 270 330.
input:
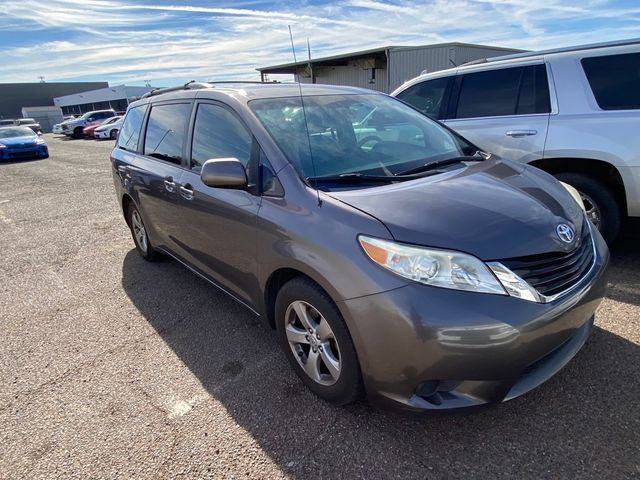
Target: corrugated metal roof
pixel 374 51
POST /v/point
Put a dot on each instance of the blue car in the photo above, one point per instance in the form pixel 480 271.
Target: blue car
pixel 21 142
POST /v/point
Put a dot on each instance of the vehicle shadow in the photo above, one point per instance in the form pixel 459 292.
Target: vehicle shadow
pixel 583 422
pixel 624 282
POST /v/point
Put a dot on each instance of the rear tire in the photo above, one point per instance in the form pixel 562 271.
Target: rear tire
pixel 139 234
pixel 337 371
pixel 599 199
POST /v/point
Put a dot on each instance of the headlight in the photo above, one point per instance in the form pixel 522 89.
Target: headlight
pixel 40 141
pixel 574 193
pixel 439 268
pixel 2 145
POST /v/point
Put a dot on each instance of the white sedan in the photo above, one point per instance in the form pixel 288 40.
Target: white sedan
pixel 109 130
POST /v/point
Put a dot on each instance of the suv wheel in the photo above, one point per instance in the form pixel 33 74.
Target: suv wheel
pixel 77 132
pixel 139 233
pixel 599 203
pixel 316 342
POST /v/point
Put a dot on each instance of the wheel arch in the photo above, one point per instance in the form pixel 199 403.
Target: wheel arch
pixel 126 201
pixel 275 282
pixel 601 170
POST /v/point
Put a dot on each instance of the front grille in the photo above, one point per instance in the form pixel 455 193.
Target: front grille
pixel 552 273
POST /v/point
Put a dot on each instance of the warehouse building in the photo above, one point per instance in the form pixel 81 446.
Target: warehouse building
pixel 117 98
pixel 383 69
pixel 15 96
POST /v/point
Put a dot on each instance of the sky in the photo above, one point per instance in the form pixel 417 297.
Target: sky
pixel 170 42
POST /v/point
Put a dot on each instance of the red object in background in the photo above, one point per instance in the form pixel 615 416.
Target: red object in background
pixel 89 129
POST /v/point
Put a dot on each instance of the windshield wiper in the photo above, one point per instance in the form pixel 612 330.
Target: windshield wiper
pixel 356 177
pixel 442 163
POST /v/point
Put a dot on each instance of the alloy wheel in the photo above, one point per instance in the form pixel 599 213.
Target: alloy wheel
pixel 591 209
pixel 313 343
pixel 139 232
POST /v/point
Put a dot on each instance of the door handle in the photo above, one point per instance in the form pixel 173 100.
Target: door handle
pixel 521 133
pixel 186 192
pixel 169 184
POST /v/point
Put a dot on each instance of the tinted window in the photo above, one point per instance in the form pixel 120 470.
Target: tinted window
pixel 130 132
pixel 614 80
pixel 218 134
pixel 426 96
pixel 508 91
pixel 534 91
pixel 166 131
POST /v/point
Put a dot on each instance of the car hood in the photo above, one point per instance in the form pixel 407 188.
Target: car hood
pixel 494 210
pixel 18 140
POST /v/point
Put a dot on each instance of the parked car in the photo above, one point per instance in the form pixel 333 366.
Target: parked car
pixel 74 128
pixel 571 112
pixel 6 122
pixel 19 142
pixel 29 122
pixel 108 130
pixel 417 267
pixel 89 130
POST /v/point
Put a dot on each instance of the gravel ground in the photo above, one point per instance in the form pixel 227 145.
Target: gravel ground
pixel 111 367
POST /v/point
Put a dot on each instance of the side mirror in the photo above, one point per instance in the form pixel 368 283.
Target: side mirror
pixel 223 172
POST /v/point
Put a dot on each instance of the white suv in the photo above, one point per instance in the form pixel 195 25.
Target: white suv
pixel 573 112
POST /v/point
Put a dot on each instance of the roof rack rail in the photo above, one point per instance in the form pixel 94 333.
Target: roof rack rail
pixel 575 48
pixel 192 85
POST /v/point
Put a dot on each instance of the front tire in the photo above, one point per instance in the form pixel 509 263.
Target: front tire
pixel 139 234
pixel 600 203
pixel 77 133
pixel 113 134
pixel 316 342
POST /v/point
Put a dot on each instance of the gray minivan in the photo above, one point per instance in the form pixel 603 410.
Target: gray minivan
pixel 391 255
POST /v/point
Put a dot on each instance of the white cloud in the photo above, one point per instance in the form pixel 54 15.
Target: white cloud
pixel 123 41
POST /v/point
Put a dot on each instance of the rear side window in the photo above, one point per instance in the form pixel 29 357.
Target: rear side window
pixel 130 132
pixel 508 91
pixel 218 133
pixel 614 80
pixel 426 96
pixel 166 130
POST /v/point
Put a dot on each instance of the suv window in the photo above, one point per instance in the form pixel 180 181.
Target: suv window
pixel 166 131
pixel 218 134
pixel 507 91
pixel 614 80
pixel 130 132
pixel 426 96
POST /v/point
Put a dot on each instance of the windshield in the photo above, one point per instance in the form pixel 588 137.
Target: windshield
pixel 87 115
pixel 10 132
pixel 368 134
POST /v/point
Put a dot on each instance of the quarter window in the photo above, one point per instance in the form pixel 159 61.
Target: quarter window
pixel 426 96
pixel 130 132
pixel 218 133
pixel 166 131
pixel 614 80
pixel 507 91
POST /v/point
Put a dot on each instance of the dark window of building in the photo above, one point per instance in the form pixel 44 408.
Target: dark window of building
pixel 614 80
pixel 130 133
pixel 507 91
pixel 427 96
pixel 218 133
pixel 166 131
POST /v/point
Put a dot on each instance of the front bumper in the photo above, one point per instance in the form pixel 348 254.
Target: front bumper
pixel 426 348
pixel 38 151
pixel 101 134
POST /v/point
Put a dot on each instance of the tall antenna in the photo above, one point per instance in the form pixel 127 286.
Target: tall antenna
pixel 304 114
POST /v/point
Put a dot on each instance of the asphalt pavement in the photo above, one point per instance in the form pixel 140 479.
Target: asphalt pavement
pixel 112 367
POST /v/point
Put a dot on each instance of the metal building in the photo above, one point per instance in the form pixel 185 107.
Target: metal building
pixel 15 96
pixel 384 69
pixel 117 98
